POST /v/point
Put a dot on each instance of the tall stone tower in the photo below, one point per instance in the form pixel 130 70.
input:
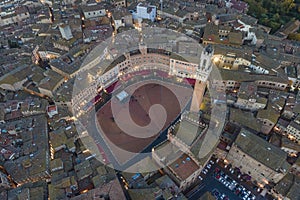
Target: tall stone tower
pixel 203 73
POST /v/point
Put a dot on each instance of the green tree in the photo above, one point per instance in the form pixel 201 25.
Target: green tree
pixel 274 13
pixel 294 36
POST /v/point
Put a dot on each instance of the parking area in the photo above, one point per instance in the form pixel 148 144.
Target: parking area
pixel 223 183
pixel 238 189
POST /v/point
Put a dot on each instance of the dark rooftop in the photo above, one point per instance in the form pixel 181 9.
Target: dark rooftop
pixel 262 151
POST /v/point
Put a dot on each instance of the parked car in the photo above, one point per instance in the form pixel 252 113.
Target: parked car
pixel 251 197
pixel 216 193
pixel 227 184
pixel 233 185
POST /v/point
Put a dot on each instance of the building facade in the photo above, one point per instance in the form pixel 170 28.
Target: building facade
pixel 65 31
pixel 264 162
pixel 94 11
pixel 146 59
pixel 248 97
pixel 180 165
pixel 293 131
pixel 145 11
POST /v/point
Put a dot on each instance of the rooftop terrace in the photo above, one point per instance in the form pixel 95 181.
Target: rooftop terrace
pixel 187 131
pixel 183 167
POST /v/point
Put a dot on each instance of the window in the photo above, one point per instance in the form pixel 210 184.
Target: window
pixel 204 63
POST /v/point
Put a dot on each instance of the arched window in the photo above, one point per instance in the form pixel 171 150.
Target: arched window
pixel 204 63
